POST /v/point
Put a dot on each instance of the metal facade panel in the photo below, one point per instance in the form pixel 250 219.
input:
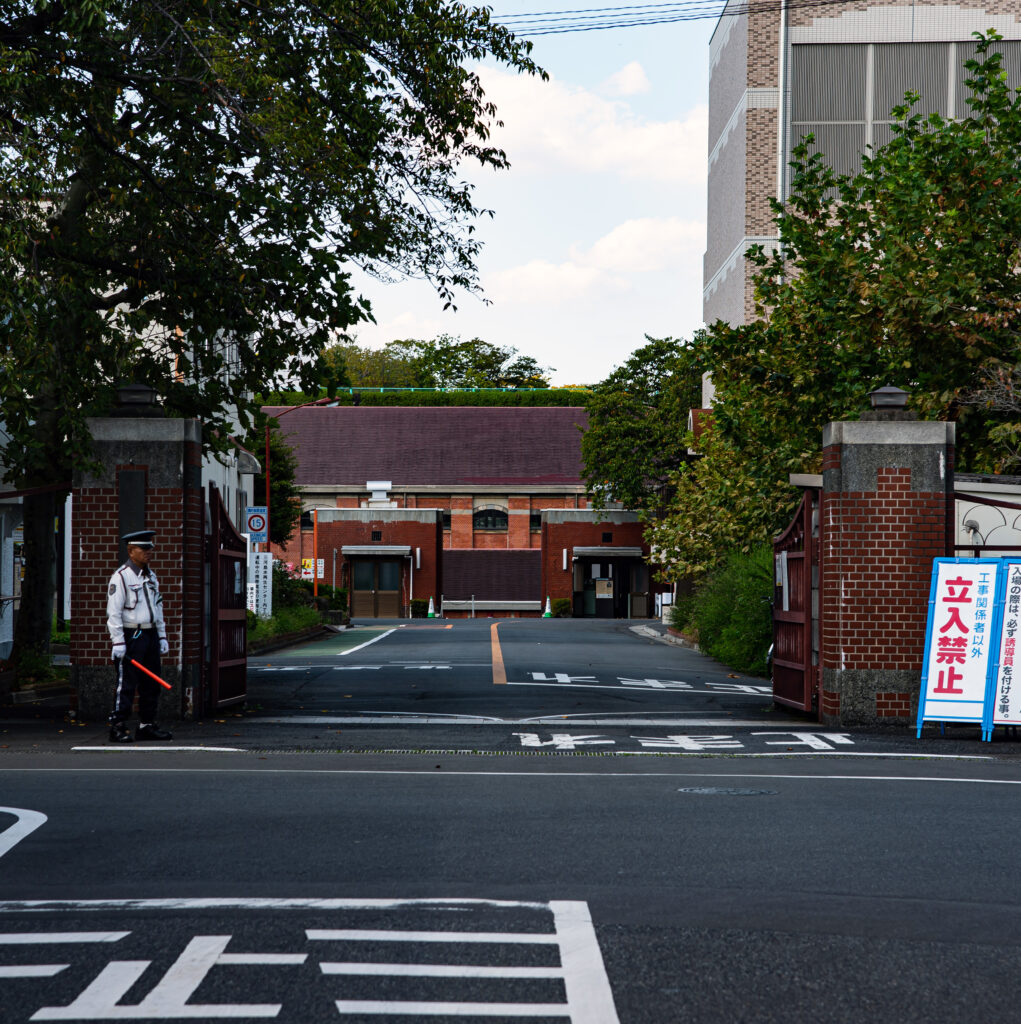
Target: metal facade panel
pixel 918 67
pixel 841 144
pixel 828 82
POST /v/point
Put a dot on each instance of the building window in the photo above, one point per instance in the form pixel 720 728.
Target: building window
pixel 377 535
pixel 494 519
pixel 535 521
pixel 607 538
pixel 306 520
pixel 446 520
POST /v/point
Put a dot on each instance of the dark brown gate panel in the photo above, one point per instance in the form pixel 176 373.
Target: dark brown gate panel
pixel 796 555
pixel 376 588
pixel 228 625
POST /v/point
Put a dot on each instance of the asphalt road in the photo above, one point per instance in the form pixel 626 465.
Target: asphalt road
pixel 478 855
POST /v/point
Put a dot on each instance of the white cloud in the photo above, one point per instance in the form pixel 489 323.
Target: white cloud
pixel 641 246
pixel 646 245
pixel 553 126
pixel 542 283
pixel 629 81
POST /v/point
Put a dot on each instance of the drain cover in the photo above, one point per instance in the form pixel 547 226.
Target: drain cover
pixel 722 791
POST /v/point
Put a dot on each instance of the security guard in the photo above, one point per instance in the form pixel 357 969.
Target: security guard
pixel 134 616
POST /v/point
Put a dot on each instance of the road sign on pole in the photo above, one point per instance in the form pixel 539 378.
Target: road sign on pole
pixel 257 523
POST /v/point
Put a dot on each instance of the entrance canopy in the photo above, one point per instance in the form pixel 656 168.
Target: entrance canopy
pixel 376 549
pixel 606 551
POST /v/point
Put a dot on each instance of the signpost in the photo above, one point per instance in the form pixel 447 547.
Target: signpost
pixel 1004 704
pixel 306 569
pixel 260 581
pixel 257 524
pixel 961 641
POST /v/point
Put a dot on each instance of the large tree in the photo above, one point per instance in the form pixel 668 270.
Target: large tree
pixel 443 362
pixel 185 186
pixel 637 430
pixel 449 362
pixel 905 273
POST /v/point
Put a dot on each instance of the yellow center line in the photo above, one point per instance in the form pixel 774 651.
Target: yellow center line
pixel 499 672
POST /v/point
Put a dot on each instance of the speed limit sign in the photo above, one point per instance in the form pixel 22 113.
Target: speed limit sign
pixel 256 522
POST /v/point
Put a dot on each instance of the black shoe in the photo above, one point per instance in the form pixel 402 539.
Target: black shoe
pixel 119 733
pixel 152 732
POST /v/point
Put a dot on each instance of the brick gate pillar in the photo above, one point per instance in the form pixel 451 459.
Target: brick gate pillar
pixel 887 488
pixel 150 476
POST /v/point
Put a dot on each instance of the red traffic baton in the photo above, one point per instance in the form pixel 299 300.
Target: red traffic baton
pixel 153 674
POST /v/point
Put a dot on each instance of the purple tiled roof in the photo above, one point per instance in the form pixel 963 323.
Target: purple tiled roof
pixel 439 445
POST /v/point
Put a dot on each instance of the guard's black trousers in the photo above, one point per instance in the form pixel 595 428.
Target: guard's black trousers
pixel 143 646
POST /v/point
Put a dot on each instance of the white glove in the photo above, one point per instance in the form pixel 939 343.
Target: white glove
pixel 164 646
pixel 118 652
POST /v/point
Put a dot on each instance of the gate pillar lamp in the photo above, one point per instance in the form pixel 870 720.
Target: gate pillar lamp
pixel 325 402
pixel 888 398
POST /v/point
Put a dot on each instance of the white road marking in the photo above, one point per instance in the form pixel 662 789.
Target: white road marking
pixel 52 938
pixel 374 640
pixel 362 968
pixel 401 718
pixel 32 970
pixel 561 741
pixel 631 689
pixel 261 903
pixel 588 987
pixel 412 1009
pixel 384 935
pixel 168 999
pixel 587 997
pixel 148 747
pixel 27 823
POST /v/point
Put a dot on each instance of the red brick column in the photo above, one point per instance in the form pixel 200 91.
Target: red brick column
pixel 168 454
pixel 884 508
pixel 462 534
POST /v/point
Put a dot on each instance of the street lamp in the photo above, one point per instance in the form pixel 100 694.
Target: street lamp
pixel 331 403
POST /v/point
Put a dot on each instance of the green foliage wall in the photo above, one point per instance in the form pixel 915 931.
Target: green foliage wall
pixel 731 613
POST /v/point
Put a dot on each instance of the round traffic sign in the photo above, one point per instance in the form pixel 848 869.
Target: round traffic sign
pixel 256 523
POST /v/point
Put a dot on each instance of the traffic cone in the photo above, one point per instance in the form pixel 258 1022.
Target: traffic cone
pixel 547 614
pixel 432 611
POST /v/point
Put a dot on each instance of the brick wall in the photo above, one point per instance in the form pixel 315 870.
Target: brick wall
pixel 168 453
pixel 392 529
pixel 558 582
pixel 883 511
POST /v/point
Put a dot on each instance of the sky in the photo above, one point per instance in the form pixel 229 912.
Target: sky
pixel 599 225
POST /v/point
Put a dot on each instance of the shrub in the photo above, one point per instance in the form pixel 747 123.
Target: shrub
pixel 419 608
pixel 283 620
pixel 732 612
pixel 289 589
pixel 335 596
pixel 561 608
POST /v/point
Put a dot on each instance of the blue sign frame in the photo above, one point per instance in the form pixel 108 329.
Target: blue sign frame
pixel 984 717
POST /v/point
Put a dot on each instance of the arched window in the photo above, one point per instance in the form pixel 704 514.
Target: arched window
pixel 491 518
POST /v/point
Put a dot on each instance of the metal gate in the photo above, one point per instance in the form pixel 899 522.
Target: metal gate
pixel 226 679
pixel 796 671
pixel 993 525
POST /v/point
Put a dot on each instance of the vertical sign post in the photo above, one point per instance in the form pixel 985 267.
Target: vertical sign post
pixel 261 576
pixel 960 641
pixel 1004 705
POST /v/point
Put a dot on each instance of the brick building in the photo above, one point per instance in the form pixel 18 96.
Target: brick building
pixel 461 504
pixel 835 71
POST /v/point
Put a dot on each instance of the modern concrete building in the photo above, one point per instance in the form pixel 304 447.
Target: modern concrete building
pixel 834 70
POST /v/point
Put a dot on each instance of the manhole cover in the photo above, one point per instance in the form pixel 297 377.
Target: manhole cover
pixel 724 791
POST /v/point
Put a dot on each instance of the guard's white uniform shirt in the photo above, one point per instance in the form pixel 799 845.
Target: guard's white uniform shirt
pixel 133 602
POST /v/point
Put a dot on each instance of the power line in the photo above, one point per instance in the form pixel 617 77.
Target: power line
pixel 542 23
